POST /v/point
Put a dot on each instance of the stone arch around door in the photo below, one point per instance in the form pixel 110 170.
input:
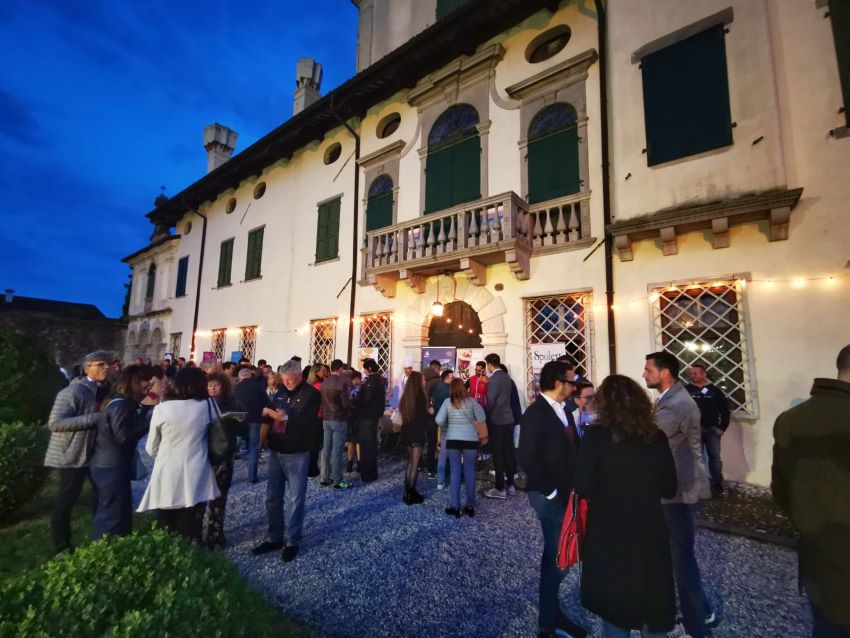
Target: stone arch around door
pixel 490 308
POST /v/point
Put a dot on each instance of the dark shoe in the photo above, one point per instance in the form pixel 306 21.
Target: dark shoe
pixel 327 483
pixel 343 485
pixel 265 547
pixel 406 499
pixel 453 511
pixel 415 497
pixel 253 481
pixel 469 511
pixel 289 553
pixel 565 624
pixel 432 475
pixel 350 467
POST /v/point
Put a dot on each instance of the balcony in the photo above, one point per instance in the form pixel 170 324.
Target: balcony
pixel 470 237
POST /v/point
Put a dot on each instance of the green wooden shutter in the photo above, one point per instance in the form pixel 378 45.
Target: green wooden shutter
pixel 686 97
pixel 438 180
pixel 255 254
pixel 327 231
pixel 379 211
pixel 466 170
pixel 553 166
pixel 839 15
pixel 182 273
pixel 225 263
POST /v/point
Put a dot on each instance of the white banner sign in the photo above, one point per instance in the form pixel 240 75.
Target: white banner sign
pixel 543 353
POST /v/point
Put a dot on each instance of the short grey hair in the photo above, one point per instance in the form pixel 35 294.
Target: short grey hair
pixel 245 373
pixel 290 367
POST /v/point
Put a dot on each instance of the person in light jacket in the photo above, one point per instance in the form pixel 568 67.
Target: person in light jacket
pixel 458 415
pixel 182 480
pixel 120 425
pixel 678 416
pixel 71 423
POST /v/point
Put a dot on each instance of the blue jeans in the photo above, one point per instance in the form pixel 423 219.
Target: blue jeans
pixel 551 517
pixel 253 450
pixel 286 470
pixel 333 450
pixel 712 450
pixel 441 460
pixel 692 600
pixel 612 631
pixel 469 457
pixel 114 510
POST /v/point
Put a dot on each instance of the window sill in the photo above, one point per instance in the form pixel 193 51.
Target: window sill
pixel 326 261
pixel 220 286
pixel 246 281
pixel 180 296
pixel 841 132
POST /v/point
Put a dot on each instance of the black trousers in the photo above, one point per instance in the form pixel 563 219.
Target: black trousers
pixel 114 513
pixel 431 446
pixel 188 522
pixel 368 439
pixel 504 453
pixel 71 481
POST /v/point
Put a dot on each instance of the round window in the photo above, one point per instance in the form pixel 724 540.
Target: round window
pixel 259 191
pixel 187 228
pixel 230 206
pixel 388 125
pixel 548 44
pixel 332 153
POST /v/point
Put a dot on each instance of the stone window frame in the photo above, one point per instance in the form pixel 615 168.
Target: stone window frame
pixel 384 161
pixel 466 80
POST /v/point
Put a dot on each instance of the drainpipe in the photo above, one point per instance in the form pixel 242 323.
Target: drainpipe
pixel 200 274
pixel 354 241
pixel 606 186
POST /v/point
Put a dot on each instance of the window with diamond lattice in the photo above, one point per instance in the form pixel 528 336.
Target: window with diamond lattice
pixel 174 346
pixel 218 337
pixel 322 340
pixel 706 322
pixel 560 319
pixel 248 342
pixel 376 332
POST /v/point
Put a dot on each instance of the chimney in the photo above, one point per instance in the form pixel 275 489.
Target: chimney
pixel 10 295
pixel 308 83
pixel 219 142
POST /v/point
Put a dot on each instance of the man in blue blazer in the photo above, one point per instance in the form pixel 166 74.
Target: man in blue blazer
pixel 548 449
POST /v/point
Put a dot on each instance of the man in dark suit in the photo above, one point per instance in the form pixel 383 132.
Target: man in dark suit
pixel 548 449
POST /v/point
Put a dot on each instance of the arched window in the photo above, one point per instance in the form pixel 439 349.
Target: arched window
pixel 453 167
pixel 379 206
pixel 151 283
pixel 553 169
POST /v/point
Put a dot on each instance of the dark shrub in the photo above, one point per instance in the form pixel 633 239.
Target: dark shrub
pixel 142 585
pixel 22 472
pixel 30 379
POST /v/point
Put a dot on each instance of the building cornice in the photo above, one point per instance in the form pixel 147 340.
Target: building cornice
pixel 382 154
pixel 461 73
pixel 150 248
pixel 564 74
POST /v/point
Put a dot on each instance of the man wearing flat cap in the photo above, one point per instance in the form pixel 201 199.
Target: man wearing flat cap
pixel 72 429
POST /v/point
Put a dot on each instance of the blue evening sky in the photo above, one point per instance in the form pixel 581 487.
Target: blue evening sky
pixel 102 102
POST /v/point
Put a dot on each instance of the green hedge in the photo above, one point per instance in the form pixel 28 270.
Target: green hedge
pixel 22 472
pixel 30 379
pixel 143 585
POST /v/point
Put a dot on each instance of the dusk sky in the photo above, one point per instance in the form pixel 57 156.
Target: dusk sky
pixel 101 103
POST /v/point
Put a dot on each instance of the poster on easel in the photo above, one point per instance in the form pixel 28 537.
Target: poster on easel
pixel 466 360
pixel 541 354
pixel 445 355
pixel 236 356
pixel 208 356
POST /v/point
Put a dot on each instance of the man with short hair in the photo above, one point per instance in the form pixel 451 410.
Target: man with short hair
pixel 714 420
pixel 369 409
pixel 336 404
pixel 478 384
pixel 254 400
pixel 678 417
pixel 548 452
pixel 501 421
pixel 295 414
pixel 585 398
pixel 71 424
pixel 811 483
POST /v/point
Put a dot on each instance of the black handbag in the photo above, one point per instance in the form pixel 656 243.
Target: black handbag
pixel 221 441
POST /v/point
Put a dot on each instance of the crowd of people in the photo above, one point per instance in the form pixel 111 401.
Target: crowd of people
pixel 638 463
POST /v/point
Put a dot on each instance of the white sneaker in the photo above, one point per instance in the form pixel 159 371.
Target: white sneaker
pixel 494 493
pixel 678 632
pixel 440 486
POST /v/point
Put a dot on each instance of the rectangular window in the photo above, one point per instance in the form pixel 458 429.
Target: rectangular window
pixel 254 260
pixel 706 322
pixel 686 97
pixel 839 16
pixel 248 342
pixel 225 262
pixel 327 231
pixel 174 344
pixel 322 341
pixel 376 337
pixel 218 338
pixel 562 324
pixel 182 274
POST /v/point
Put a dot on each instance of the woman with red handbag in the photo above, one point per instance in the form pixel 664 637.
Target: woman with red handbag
pixel 625 468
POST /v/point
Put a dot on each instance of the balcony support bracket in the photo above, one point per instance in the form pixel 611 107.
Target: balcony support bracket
pixel 474 270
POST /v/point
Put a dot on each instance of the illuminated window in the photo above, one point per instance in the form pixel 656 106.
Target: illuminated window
pixel 322 341
pixel 218 338
pixel 248 341
pixel 376 332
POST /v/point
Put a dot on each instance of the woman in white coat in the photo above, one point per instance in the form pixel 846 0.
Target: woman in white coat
pixel 182 480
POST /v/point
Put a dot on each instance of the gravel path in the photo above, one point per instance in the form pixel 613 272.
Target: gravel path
pixel 371 566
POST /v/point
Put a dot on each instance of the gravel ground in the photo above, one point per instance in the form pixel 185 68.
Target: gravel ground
pixel 371 566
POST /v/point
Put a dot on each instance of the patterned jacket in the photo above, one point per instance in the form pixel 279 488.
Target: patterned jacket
pixel 72 425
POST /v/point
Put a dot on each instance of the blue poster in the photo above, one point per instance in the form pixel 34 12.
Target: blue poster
pixel 236 356
pixel 446 356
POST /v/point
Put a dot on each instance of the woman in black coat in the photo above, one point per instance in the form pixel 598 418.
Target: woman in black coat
pixel 625 468
pixel 415 416
pixel 120 425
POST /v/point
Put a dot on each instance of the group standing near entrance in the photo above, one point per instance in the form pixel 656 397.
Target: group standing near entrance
pixel 638 464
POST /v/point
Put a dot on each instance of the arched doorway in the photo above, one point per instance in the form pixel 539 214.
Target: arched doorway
pixel 459 326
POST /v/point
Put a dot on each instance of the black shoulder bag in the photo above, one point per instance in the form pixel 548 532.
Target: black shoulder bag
pixel 221 441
